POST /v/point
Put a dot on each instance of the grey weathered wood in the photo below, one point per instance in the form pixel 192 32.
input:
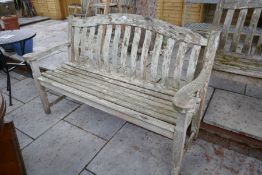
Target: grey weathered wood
pixel 155 57
pixel 239 26
pixel 167 58
pixel 147 102
pixel 106 52
pixel 77 40
pixel 90 43
pixel 99 40
pixel 134 51
pixel 240 55
pixel 179 63
pixel 252 29
pixel 144 54
pixel 125 44
pixel 116 46
pixel 226 27
pixel 192 63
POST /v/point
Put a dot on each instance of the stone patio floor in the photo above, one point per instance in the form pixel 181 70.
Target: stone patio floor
pixel 78 139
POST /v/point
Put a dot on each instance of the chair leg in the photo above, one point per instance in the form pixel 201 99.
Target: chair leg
pixel 43 97
pixel 9 88
pixel 179 144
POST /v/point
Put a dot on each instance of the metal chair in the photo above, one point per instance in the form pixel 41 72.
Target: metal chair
pixel 7 67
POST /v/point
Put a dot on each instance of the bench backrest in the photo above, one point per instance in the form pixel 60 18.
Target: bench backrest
pixel 137 47
pixel 240 35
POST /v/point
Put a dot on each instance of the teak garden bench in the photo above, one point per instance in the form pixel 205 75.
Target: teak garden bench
pixel 161 89
pixel 240 49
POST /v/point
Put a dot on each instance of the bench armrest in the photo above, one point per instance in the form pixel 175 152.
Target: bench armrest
pixel 187 97
pixel 39 55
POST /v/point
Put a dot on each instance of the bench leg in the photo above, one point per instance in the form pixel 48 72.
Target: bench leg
pixel 41 90
pixel 43 97
pixel 179 144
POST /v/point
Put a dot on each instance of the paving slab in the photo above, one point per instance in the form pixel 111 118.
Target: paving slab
pixel 17 76
pixel 16 104
pixel 235 112
pixel 3 81
pixel 210 91
pixel 227 83
pixel 85 172
pixel 23 139
pixel 62 150
pixel 24 90
pixel 95 121
pixel 32 120
pixel 136 151
pixel 207 158
pixel 29 20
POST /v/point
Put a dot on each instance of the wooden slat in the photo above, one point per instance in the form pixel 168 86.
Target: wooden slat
pixel 99 44
pixel 239 26
pixel 83 42
pixel 125 44
pixel 193 58
pixel 179 63
pixel 105 52
pixel 218 13
pixel 116 45
pixel 252 29
pixel 226 27
pixel 124 87
pixel 115 90
pixel 76 43
pixel 155 57
pixel 108 96
pixel 134 56
pixel 167 59
pixel 259 46
pixel 90 43
pixel 111 108
pixel 144 54
pixel 157 92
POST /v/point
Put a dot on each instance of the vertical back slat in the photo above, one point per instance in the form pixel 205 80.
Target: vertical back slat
pixel 218 13
pixel 83 41
pixel 239 27
pixel 71 40
pixel 192 63
pixel 259 46
pixel 134 51
pixel 144 54
pixel 90 43
pixel 106 47
pixel 179 63
pixel 155 57
pixel 99 44
pixel 167 59
pixel 115 46
pixel 125 44
pixel 252 30
pixel 226 27
pixel 77 43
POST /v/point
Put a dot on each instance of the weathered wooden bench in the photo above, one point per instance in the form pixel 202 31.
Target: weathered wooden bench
pixel 161 89
pixel 240 49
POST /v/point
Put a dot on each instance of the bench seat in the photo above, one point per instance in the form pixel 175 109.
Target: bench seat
pixel 130 98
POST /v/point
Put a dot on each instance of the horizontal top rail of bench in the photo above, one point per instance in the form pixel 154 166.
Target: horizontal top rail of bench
pixel 169 30
pixel 241 4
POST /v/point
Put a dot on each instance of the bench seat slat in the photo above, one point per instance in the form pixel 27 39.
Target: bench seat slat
pixel 113 97
pixel 112 84
pixel 162 127
pixel 142 85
